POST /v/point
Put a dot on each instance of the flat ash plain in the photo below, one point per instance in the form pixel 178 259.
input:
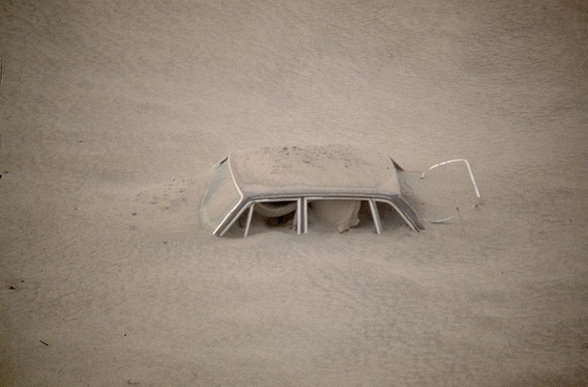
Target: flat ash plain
pixel 111 115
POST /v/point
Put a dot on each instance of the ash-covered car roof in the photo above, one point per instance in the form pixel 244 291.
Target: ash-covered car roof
pixel 247 178
pixel 309 170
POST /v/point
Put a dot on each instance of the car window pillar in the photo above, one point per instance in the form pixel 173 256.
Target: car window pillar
pixel 304 215
pixel 228 226
pixel 376 216
pixel 248 223
pixel 299 216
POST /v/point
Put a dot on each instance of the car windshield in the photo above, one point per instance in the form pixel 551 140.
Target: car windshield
pixel 221 198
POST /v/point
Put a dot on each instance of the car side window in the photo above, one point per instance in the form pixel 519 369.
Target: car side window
pixel 341 214
pixel 390 216
pixel 263 214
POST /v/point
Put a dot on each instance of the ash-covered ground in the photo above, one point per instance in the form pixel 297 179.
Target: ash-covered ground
pixel 111 114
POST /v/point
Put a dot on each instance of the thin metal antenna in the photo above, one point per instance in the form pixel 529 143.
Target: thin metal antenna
pixel 459 216
pixel 439 221
pixel 469 170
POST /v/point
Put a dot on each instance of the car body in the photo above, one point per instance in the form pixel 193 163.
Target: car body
pixel 275 181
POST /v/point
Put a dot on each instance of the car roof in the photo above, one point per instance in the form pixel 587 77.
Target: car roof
pixel 314 170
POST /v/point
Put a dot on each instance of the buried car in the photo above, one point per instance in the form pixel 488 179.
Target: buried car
pixel 278 182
